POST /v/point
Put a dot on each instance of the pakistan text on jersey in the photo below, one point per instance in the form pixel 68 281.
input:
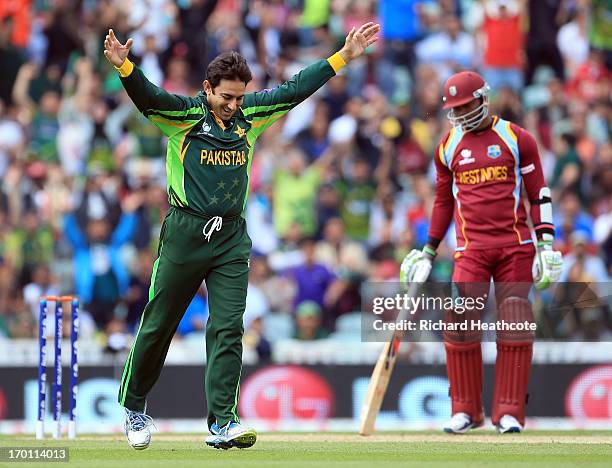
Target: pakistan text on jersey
pixel 484 174
pixel 223 157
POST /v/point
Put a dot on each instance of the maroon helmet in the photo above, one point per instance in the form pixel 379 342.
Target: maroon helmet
pixel 460 89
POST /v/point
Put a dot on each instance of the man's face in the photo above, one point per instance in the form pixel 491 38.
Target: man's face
pixel 225 98
pixel 460 111
pixel 452 26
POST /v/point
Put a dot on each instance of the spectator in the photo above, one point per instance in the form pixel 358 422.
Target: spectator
pixel 19 13
pixel 62 35
pixel 196 315
pixel 12 136
pixel 600 29
pixel 295 190
pixel 255 339
pixel 260 220
pixel 402 26
pixel 504 44
pixel 312 279
pixel 544 21
pixel 28 246
pixel 573 40
pixel 337 96
pixel 308 322
pixel 579 265
pixel 349 261
pixel 313 140
pixel 42 284
pixel 328 206
pixel 591 78
pixel 278 290
pixel 568 167
pixel 338 252
pixel 357 191
pixel 11 59
pixel 100 275
pixel 387 218
pixel 449 51
pixel 137 295
pixel 314 17
pixel 117 337
pixel 571 217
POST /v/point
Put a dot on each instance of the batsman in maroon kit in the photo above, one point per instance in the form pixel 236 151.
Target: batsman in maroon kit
pixel 482 165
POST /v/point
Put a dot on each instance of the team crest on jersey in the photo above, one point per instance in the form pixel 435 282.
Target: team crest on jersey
pixel 205 130
pixel 466 156
pixel 494 151
pixel 240 131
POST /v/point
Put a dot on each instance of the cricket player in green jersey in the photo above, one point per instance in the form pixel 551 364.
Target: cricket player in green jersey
pixel 204 236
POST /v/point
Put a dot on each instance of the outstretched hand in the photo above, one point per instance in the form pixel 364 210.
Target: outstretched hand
pixel 358 40
pixel 114 51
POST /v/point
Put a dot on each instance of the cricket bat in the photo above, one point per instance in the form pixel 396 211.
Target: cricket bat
pixel 382 374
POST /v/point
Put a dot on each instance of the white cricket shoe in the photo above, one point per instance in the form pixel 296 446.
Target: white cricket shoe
pixel 460 423
pixel 508 424
pixel 231 435
pixel 137 429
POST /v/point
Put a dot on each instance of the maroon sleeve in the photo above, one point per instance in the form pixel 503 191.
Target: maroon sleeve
pixel 444 203
pixel 533 179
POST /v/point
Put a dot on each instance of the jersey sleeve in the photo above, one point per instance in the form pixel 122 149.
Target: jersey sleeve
pixel 265 107
pixel 171 113
pixel 444 203
pixel 535 185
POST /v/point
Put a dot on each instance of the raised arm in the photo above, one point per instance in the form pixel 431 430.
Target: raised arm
pixel 170 112
pixel 266 107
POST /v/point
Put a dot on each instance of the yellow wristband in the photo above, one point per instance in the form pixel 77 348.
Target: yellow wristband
pixel 126 68
pixel 337 62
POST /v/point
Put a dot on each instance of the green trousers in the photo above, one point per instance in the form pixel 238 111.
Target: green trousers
pixel 185 258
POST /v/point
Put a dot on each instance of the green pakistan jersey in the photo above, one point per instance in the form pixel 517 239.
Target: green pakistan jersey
pixel 208 161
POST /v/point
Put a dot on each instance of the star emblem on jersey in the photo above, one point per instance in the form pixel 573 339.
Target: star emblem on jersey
pixel 239 131
pixel 466 156
pixel 494 151
pixel 214 200
pixel 227 196
pixel 220 185
pixel 235 183
pixel 452 91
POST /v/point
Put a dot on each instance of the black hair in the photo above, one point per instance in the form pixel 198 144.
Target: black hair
pixel 228 66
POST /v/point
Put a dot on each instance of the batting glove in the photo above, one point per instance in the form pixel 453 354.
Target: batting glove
pixel 547 265
pixel 416 266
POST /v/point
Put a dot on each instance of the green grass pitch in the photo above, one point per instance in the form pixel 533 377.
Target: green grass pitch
pixel 480 448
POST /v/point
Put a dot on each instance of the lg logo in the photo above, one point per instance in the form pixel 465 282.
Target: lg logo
pixel 286 392
pixel 590 394
pixel 421 399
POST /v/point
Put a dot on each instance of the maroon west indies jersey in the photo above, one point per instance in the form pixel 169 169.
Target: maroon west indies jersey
pixel 479 179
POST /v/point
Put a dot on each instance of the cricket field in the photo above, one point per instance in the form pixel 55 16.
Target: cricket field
pixel 384 449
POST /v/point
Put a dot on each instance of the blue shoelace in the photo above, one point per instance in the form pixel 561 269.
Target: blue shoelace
pixel 138 421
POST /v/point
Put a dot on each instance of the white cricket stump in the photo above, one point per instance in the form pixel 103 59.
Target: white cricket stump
pixel 40 430
pixel 57 433
pixel 72 429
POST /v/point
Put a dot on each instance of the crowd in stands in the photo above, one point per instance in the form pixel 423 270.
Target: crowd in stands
pixel 341 188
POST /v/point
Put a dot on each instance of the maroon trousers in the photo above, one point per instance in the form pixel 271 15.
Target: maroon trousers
pixel 510 268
